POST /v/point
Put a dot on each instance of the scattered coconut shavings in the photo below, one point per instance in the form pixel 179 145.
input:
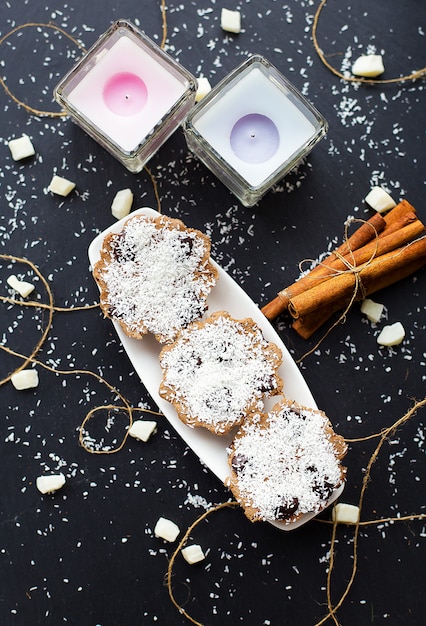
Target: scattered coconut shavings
pixel 366 144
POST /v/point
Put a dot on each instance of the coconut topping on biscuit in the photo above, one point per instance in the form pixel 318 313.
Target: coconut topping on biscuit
pixel 155 276
pixel 217 372
pixel 285 463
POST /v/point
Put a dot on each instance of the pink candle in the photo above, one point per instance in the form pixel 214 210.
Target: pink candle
pixel 127 94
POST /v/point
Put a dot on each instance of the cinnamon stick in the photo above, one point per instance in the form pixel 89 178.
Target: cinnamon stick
pixel 275 307
pixel 382 271
pixel 359 238
pixel 376 227
pixel 306 326
pixel 375 248
pixel 398 214
pixel 404 220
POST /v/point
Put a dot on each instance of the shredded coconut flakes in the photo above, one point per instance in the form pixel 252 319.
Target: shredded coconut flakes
pixel 157 278
pixel 218 370
pixel 290 459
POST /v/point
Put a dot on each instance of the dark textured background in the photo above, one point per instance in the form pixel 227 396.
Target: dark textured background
pixel 87 555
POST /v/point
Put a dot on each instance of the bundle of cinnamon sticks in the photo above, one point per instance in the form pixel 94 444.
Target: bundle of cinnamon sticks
pixel 383 250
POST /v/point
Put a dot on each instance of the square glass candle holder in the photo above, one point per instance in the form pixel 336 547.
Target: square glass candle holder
pixel 128 94
pixel 253 128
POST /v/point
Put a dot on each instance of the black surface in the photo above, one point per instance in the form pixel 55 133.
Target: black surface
pixel 87 555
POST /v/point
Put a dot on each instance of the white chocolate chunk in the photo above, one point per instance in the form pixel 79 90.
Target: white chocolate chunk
pixel 60 186
pixel 122 203
pixel 373 310
pixel 230 21
pixel 21 148
pixel 345 513
pixel 49 484
pixel 368 65
pixel 142 429
pixel 380 200
pixel 391 335
pixel 25 379
pixel 193 554
pixel 166 529
pixel 21 286
pixel 203 88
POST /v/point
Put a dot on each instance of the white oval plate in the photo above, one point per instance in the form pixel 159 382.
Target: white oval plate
pixel 227 295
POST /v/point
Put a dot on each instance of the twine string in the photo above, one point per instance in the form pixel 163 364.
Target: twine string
pixel 350 264
pixel 332 608
pixel 76 42
pixel 342 318
pixel 61 114
pixel 351 268
pixel 164 23
pixel 356 79
pixel 40 305
pixel 11 95
pixel 50 308
pixel 387 432
pixel 181 544
pixel 155 187
pixel 130 410
pixel 110 407
pixel 32 357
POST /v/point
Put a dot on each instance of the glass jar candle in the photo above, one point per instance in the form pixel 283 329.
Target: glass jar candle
pixel 128 94
pixel 253 128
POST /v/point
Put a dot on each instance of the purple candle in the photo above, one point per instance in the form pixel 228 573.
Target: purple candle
pixel 254 138
pixel 253 128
